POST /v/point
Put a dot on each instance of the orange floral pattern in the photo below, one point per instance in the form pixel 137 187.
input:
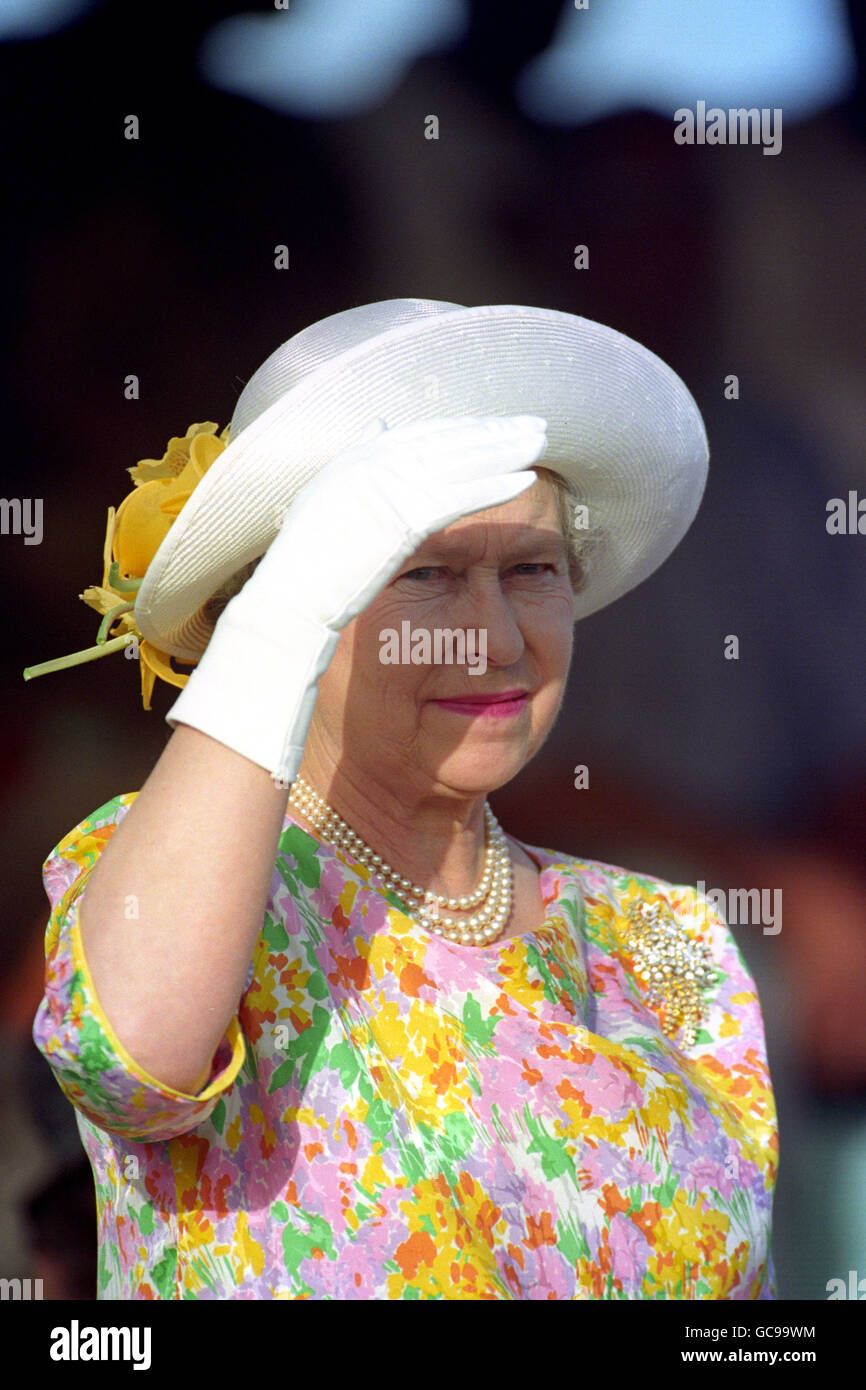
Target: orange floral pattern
pixel 393 1116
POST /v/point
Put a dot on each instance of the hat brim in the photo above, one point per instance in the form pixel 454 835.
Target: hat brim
pixel 623 429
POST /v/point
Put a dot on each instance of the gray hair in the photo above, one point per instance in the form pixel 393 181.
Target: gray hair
pixel 581 541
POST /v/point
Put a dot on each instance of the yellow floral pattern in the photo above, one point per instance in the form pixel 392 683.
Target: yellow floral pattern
pixel 393 1116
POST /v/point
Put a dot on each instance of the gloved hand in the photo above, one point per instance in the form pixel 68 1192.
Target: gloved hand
pixel 343 538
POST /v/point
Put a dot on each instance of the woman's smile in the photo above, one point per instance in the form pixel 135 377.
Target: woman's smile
pixel 504 706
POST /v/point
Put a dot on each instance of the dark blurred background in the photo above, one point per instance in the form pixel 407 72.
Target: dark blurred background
pixel 262 126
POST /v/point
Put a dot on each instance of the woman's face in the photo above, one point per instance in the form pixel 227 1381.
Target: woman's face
pixel 500 576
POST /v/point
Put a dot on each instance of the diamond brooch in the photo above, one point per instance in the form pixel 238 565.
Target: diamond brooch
pixel 677 966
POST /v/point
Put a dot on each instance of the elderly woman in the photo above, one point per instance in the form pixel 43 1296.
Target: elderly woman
pixel 350 1040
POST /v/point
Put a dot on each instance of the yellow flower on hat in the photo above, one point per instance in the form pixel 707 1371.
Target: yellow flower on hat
pixel 162 486
pixel 133 534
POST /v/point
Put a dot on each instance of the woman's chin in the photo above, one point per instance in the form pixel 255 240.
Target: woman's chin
pixel 483 770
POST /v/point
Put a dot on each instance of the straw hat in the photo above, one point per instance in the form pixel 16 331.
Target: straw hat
pixel 623 430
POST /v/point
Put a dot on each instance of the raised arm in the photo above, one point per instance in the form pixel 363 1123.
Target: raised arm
pixel 196 850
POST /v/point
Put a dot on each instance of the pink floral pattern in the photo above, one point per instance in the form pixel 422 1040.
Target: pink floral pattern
pixel 394 1116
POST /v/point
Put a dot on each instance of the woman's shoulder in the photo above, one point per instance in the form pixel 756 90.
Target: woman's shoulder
pixel 610 891
pixel 667 937
pixel 110 812
pixel 600 876
pixel 81 846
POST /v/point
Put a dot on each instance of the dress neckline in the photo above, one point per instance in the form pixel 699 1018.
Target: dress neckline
pixel 552 921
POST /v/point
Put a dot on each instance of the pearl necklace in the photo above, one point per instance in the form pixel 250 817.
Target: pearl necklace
pixel 494 889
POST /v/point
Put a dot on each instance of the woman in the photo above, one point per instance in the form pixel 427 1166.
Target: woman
pixel 351 1041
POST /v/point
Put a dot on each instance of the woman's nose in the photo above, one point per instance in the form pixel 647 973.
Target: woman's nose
pixel 486 607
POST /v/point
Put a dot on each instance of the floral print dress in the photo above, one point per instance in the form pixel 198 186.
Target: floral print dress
pixel 393 1116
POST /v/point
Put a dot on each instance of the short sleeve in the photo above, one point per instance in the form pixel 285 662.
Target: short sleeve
pixel 683 969
pixel 723 1040
pixel 730 1044
pixel 89 1062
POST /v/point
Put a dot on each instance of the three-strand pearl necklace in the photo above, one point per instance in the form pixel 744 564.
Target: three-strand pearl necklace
pixel 494 890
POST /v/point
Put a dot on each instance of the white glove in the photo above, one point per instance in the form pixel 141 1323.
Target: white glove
pixel 343 538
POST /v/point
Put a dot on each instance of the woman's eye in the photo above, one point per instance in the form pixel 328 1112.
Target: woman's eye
pixel 528 570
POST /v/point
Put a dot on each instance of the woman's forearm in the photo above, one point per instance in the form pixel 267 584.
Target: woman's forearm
pixel 170 915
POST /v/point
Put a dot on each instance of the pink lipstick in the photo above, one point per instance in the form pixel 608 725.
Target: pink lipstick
pixel 501 706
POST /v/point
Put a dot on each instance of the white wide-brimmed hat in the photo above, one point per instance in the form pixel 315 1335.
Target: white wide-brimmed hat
pixel 623 430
